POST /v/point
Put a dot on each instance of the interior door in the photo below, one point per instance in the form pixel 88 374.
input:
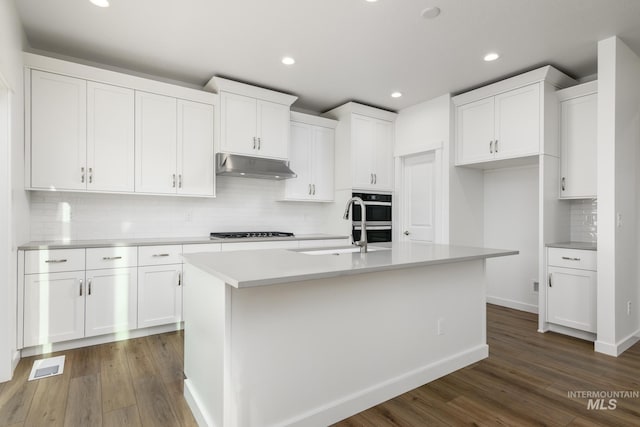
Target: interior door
pixel 419 198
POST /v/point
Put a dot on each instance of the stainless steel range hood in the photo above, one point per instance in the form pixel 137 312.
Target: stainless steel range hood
pixel 252 167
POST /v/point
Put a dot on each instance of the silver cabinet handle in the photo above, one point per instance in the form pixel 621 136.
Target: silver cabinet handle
pixel 254 142
pixel 82 174
pixel 491 147
pixel 375 178
pixel 80 287
pixel 259 142
pixel 90 175
pixel 309 189
pixel 495 146
pixel 371 179
pixel 109 258
pixel 159 255
pixel 180 181
pixel 89 286
pixel 173 180
pixel 570 258
pixel 314 189
pixel 564 182
pixel 55 261
pixel 550 280
pixel 179 279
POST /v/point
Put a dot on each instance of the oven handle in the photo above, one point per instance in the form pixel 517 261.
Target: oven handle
pixel 377 203
pixel 372 227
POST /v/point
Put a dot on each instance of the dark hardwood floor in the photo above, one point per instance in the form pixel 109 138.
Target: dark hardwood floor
pixel 525 381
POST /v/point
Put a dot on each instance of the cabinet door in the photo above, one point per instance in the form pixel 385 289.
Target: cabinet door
pixel 58 131
pixel 155 143
pixel 383 161
pixel 571 298
pixel 159 295
pixel 300 188
pixel 322 163
pixel 111 301
pixel 517 131
pixel 362 151
pixel 474 131
pixel 273 130
pixel 53 307
pixel 578 137
pixel 238 131
pixel 110 138
pixel 195 148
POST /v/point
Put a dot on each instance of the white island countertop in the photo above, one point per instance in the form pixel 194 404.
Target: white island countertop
pixel 274 266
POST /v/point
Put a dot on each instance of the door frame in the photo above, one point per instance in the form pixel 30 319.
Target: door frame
pixel 441 184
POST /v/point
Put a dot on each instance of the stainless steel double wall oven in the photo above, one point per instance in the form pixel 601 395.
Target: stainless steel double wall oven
pixel 378 211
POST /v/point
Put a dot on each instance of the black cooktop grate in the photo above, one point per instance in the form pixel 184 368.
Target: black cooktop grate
pixel 247 234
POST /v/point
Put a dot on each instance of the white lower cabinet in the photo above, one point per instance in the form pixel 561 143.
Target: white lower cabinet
pixel 572 289
pixel 159 295
pixel 111 301
pixel 53 307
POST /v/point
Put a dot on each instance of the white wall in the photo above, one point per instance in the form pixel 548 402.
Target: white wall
pixel 511 222
pixel 618 141
pixel 242 204
pixel 418 129
pixel 13 201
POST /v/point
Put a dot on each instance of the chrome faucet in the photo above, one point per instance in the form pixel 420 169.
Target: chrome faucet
pixel 363 233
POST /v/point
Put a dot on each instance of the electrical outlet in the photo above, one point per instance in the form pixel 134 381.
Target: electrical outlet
pixel 441 326
pixel 535 284
pixel 619 220
pixel 628 308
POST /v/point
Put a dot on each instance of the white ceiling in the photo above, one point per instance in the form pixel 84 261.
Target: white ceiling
pixel 345 49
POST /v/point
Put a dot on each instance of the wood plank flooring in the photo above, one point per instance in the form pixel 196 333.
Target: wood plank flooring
pixel 525 381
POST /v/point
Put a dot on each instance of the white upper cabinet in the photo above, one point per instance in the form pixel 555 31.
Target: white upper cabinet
pixel 58 132
pixel 311 158
pixel 500 127
pixel 253 121
pixel 123 136
pixel 510 119
pixel 156 143
pixel 195 165
pixel 578 141
pixel 364 147
pixel 174 146
pixel 110 138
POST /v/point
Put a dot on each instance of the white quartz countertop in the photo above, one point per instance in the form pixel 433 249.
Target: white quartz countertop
pixel 585 246
pixel 76 244
pixel 273 266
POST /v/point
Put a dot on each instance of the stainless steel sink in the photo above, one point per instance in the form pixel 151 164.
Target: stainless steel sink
pixel 344 250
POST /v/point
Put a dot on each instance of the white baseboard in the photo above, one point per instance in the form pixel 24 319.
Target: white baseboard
pixel 194 402
pixel 618 348
pixel 332 412
pixel 576 333
pixel 516 305
pixel 101 339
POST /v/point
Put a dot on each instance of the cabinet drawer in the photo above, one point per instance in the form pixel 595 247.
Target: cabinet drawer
pixel 53 260
pixel 99 258
pixel 159 255
pixel 572 258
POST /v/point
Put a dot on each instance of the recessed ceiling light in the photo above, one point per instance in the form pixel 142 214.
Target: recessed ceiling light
pixel 371 1
pixel 491 56
pixel 287 60
pixel 100 3
pixel 431 12
pixel 396 94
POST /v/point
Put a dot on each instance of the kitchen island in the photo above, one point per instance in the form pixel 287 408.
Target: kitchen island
pixel 292 337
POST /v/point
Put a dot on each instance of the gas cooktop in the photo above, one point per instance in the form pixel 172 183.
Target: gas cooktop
pixel 249 234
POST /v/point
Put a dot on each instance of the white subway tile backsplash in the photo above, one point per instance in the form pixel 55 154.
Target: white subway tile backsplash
pixel 241 204
pixel 584 220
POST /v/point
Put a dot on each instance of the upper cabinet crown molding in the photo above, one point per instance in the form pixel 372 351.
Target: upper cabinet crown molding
pixel 365 110
pixel 86 72
pixel 577 91
pixel 218 84
pixel 547 74
pixel 310 119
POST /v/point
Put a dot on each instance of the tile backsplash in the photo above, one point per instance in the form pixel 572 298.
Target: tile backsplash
pixel 584 220
pixel 241 204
